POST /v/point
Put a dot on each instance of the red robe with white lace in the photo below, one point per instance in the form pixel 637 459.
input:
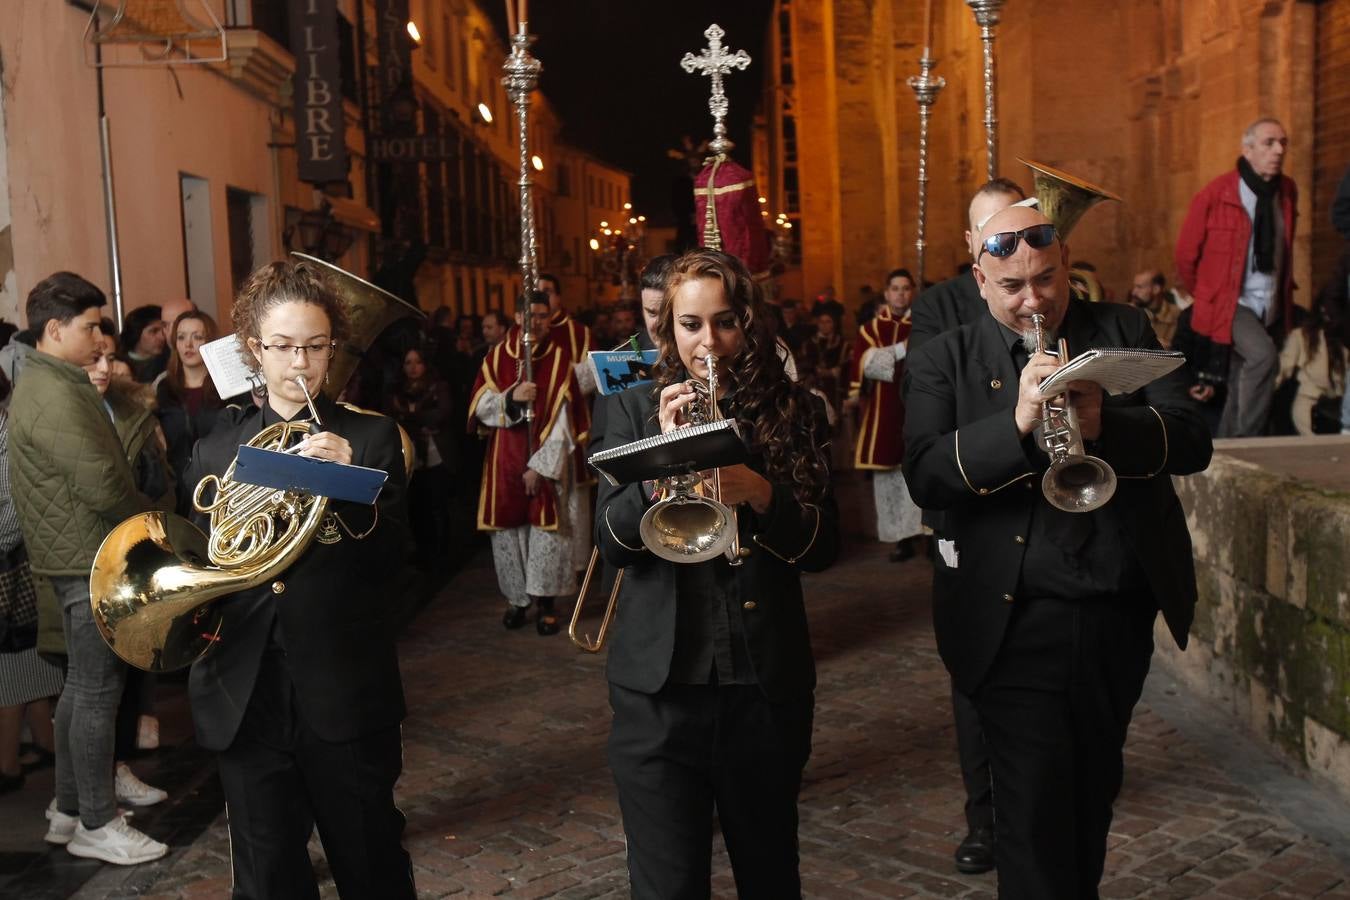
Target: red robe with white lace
pixel 881 441
pixel 502 502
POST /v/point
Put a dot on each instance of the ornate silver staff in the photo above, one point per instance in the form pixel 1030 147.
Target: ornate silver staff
pixel 714 61
pixel 986 16
pixel 925 87
pixel 521 75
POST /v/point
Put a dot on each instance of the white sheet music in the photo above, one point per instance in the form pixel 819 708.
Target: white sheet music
pixel 227 369
pixel 1118 371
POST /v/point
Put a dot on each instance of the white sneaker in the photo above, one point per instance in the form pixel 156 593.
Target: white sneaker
pixel 132 790
pixel 61 827
pixel 147 733
pixel 116 842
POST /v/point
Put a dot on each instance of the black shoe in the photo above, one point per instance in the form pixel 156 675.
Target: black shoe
pixel 976 853
pixel 34 758
pixel 546 622
pixel 515 617
pixel 903 550
pixel 10 782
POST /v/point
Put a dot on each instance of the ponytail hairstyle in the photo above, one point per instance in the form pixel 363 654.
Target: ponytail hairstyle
pixel 276 284
pixel 784 427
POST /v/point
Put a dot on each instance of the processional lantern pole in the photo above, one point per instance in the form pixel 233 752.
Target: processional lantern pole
pixel 926 87
pixel 987 17
pixel 714 61
pixel 521 75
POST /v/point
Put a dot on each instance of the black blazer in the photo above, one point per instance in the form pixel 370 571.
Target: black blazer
pixel 334 614
pixel 945 306
pixel 790 538
pixel 963 455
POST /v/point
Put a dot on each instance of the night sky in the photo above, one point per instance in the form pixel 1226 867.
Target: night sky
pixel 611 70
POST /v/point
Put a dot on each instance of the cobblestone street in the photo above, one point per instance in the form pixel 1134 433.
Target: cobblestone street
pixel 506 790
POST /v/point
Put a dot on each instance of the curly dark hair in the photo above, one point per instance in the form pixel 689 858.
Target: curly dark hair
pixel 784 426
pixel 281 282
pixel 1329 319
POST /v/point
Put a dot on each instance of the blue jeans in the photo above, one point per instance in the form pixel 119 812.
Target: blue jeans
pixel 86 715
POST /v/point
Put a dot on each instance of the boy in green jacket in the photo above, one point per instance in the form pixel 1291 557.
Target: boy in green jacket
pixel 72 483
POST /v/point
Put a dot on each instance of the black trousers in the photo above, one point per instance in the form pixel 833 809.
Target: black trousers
pixel 1055 708
pixel 136 700
pixel 688 750
pixel 974 762
pixel 281 779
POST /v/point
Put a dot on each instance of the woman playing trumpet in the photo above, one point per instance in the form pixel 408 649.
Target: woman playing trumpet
pixel 301 697
pixel 710 670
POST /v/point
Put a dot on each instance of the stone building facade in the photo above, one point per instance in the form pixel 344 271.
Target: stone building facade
pixel 1148 99
pixel 204 159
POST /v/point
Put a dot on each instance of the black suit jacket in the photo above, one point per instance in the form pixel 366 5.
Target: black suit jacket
pixel 964 456
pixel 333 615
pixel 944 307
pixel 788 539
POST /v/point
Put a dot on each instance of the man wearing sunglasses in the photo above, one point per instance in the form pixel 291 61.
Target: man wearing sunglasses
pixel 956 301
pixel 1045 618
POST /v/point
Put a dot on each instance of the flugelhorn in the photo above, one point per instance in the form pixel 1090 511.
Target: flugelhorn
pixel 685 526
pixel 1075 482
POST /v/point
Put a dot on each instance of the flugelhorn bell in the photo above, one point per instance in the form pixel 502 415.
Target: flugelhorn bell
pixel 1063 198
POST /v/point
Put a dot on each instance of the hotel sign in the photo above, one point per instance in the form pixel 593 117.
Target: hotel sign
pixel 319 128
pixel 418 148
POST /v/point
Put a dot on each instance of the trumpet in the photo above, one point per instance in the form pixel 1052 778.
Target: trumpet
pixel 1075 481
pixel 685 526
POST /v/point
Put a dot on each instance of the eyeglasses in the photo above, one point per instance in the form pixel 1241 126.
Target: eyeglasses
pixel 323 350
pixel 1005 242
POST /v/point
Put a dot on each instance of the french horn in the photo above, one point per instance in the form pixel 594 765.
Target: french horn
pixel 156 574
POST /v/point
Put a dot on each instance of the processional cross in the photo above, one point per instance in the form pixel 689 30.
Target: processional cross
pixel 714 61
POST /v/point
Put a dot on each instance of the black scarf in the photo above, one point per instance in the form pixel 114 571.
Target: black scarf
pixel 1263 224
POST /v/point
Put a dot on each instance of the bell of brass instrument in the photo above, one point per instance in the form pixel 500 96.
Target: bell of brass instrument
pixel 1062 198
pixel 1075 481
pixel 685 526
pixel 155 574
pixel 370 310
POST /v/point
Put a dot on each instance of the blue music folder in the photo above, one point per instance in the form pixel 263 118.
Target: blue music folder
pixel 619 370
pixel 288 472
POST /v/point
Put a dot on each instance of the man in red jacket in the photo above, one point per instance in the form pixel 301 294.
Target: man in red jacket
pixel 1235 255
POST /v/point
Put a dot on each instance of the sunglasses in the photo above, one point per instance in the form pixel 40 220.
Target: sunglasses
pixel 1005 242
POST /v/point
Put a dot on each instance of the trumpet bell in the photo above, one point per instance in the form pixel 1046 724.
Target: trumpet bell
pixel 688 529
pixel 1078 484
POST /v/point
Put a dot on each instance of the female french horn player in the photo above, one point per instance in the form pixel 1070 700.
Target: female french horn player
pixel 301 698
pixel 710 670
